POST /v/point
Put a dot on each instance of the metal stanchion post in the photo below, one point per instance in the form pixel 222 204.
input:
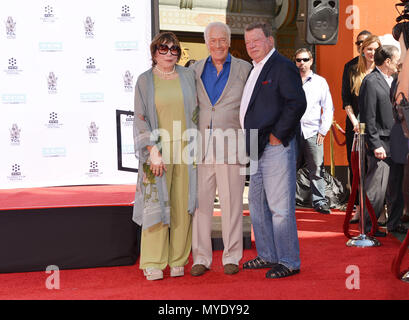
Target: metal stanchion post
pixel 362 240
pixel 405 277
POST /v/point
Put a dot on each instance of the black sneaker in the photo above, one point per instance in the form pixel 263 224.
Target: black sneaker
pixel 324 209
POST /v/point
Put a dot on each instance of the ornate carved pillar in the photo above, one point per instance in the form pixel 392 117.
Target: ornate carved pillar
pixel 284 26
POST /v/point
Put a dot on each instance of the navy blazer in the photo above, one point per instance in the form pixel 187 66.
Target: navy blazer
pixel 277 103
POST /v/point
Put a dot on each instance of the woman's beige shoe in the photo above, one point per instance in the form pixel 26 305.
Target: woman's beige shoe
pixel 177 271
pixel 153 274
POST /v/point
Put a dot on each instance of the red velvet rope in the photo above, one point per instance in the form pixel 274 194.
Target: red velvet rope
pixel 351 201
pixel 397 260
pixel 335 134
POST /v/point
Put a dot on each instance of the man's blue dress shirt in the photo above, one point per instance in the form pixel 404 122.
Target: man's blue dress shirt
pixel 213 83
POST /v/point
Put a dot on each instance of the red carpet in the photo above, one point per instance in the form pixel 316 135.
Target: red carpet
pixel 324 257
pixel 63 197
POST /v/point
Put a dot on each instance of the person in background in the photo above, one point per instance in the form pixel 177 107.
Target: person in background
pixel 350 96
pixel 220 80
pixel 348 100
pixel 399 153
pixel 400 95
pixel 315 123
pixel 165 99
pixel 376 112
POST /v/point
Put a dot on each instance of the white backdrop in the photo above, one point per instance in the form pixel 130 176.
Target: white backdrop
pixel 65 67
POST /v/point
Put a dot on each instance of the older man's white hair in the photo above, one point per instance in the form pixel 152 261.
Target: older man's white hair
pixel 220 25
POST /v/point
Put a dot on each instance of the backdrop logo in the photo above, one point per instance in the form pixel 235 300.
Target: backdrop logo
pixel 126 45
pixel 15 174
pixel 52 83
pixel 12 64
pixel 15 135
pixel 92 97
pixel 10 28
pixel 54 152
pixel 10 98
pixel 48 14
pixel 50 46
pixel 128 149
pixel 93 132
pixel 126 14
pixel 128 81
pixel 128 122
pixel 90 67
pixel 53 122
pixel 12 67
pixel 94 170
pixel 89 27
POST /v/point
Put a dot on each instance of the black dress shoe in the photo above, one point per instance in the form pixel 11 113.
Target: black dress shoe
pixel 400 228
pixel 324 209
pixel 404 218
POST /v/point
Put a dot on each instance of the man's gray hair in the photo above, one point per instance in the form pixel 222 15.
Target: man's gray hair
pixel 217 24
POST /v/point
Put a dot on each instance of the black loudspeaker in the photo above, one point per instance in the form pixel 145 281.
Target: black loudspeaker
pixel 317 21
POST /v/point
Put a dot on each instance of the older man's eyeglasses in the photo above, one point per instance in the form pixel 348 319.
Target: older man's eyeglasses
pixel 302 59
pixel 164 49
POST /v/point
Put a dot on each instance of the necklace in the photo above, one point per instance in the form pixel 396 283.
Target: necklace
pixel 165 73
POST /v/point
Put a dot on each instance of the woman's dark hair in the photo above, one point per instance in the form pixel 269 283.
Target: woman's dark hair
pixel 402 23
pixel 398 29
pixel 163 38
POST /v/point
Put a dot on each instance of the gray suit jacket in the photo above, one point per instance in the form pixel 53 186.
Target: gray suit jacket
pixel 375 108
pixel 224 116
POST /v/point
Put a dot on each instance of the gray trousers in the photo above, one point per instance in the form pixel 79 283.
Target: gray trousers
pixel 394 195
pixel 313 156
pixel 380 184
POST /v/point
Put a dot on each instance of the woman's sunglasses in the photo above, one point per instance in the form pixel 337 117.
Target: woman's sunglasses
pixel 163 49
pixel 302 59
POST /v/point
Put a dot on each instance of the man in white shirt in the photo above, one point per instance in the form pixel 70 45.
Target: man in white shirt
pixel 315 124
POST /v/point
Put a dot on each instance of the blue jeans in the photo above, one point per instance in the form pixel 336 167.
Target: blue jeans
pixel 272 206
pixel 313 155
